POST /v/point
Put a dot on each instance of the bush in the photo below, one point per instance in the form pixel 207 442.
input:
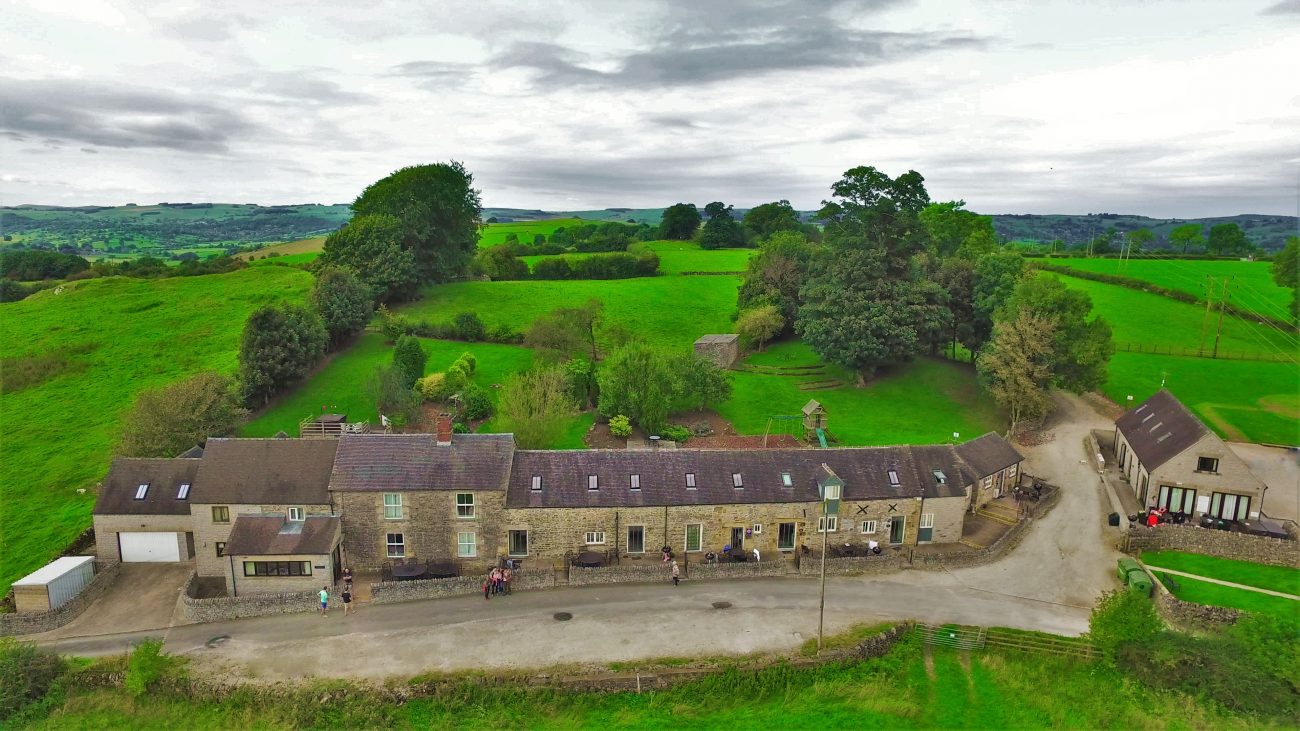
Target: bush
pixel 475 402
pixel 469 360
pixel 557 268
pixel 620 426
pixel 1214 667
pixel 431 385
pixel 468 327
pixel 392 326
pixel 702 429
pixel 675 433
pixel 145 666
pixel 1122 618
pixel 409 358
pixel 26 674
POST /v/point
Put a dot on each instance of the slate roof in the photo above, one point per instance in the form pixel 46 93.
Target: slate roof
pixel 1159 429
pixel 662 476
pixel 377 462
pixel 273 535
pixel 262 471
pixel 944 458
pixel 164 477
pixel 988 454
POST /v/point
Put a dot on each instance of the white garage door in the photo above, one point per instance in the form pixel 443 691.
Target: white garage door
pixel 137 547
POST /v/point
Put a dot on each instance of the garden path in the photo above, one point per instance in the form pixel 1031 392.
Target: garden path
pixel 1221 582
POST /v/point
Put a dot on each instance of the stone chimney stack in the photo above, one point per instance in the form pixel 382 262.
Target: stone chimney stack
pixel 444 430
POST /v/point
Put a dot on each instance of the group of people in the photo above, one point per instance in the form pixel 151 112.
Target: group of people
pixel 346 595
pixel 498 582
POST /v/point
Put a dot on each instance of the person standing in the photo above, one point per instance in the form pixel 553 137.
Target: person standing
pixel 487 588
pixel 324 595
pixel 677 574
pixel 347 599
pixel 506 576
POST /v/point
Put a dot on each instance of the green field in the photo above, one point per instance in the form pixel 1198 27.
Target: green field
pixel 676 257
pixel 1242 400
pixel 306 257
pixel 983 690
pixel 1252 284
pixel 496 233
pixel 1263 576
pixel 97 345
pixel 340 386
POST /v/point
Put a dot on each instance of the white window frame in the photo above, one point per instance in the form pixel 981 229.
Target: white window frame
pixel 737 480
pixel 595 538
pixel 892 475
pixel 297 514
pixel 223 508
pixel 593 483
pixel 787 480
pixel 141 491
pixel 399 544
pixel 758 529
pixel 868 527
pixel 537 483
pixel 699 538
pixel 460 507
pixel 461 544
pixel 940 477
pixel 832 492
pixel 629 538
pixel 927 521
pixel 1011 471
pixel 183 493
pixel 690 480
pixel 824 520
pixel 510 545
pixel 1214 471
pixel 393 509
pixel 634 482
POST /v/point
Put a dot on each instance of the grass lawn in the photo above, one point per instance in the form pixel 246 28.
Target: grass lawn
pixel 341 385
pixel 988 690
pixel 923 403
pixel 496 233
pixel 1252 285
pixel 1263 576
pixel 313 245
pixel 287 260
pixel 665 310
pixel 97 345
pixel 1203 592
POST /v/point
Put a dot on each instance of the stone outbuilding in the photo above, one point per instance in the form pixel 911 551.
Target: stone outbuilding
pixel 723 350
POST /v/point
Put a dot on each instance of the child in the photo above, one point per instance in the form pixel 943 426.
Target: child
pixel 347 599
pixel 324 595
pixel 487 588
pixel 677 574
pixel 506 576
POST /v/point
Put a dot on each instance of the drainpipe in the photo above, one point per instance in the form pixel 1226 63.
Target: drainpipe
pixel 617 558
pixel 234 590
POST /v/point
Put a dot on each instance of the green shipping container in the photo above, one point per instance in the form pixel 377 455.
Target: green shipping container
pixel 1126 566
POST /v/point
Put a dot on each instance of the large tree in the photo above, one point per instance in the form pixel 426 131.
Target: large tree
pixel 775 275
pixel 536 407
pixel 167 421
pixel 1139 238
pixel 1187 236
pixel 1286 272
pixel 343 301
pixel 1081 347
pixel 721 230
pixel 409 359
pixel 372 247
pixel 679 222
pixel 568 332
pixel 957 277
pixel 865 303
pixel 759 325
pixel 439 210
pixel 1016 367
pixel 762 221
pixel 280 343
pixel 1227 239
pixel 996 277
pixel 955 231
pixel 647 385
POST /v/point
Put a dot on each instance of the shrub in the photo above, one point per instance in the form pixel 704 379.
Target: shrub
pixel 145 666
pixel 475 402
pixel 1214 667
pixel 1122 618
pixel 620 426
pixel 459 427
pixel 26 673
pixel 469 360
pixel 431 385
pixel 675 433
pixel 557 268
pixel 458 368
pixel 392 326
pixel 701 428
pixel 468 327
pixel 409 358
pixel 759 325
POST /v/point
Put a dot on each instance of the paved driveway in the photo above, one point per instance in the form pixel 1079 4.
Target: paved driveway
pixel 143 597
pixel 1279 469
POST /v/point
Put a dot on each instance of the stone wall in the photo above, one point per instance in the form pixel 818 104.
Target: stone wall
pixel 389 592
pixel 733 570
pixel 1194 539
pixel 655 571
pixel 207 534
pixel 108 526
pixel 23 624
pixel 722 350
pixel 887 562
pixel 254 605
pixel 429 526
pixel 1195 616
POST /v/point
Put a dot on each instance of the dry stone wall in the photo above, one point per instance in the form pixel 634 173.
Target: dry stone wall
pixel 24 624
pixel 218 609
pixel 390 592
pixel 1194 539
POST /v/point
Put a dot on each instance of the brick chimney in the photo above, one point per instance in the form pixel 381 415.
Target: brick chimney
pixel 444 430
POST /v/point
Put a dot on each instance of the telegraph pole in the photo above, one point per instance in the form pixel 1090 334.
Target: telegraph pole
pixel 1222 301
pixel 821 607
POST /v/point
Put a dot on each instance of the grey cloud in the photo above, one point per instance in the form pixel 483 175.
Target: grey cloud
pixel 209 27
pixel 1285 7
pixel 434 75
pixel 96 114
pixel 90 150
pixel 671 122
pixel 300 86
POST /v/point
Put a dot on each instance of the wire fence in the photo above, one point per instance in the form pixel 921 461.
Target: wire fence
pixel 1222 354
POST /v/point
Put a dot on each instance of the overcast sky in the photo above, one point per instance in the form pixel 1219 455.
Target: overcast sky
pixel 1160 108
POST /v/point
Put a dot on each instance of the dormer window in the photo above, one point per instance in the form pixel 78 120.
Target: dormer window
pixel 939 477
pixel 141 491
pixel 786 481
pixel 690 480
pixel 184 491
pixel 591 483
pixel 893 478
pixel 736 482
pixel 537 483
pixel 634 482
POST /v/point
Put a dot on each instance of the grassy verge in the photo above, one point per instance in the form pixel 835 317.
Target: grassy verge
pixel 1276 578
pixel 986 690
pixel 117 337
pixel 1214 595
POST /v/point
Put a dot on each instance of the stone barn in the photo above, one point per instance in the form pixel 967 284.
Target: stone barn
pixel 723 350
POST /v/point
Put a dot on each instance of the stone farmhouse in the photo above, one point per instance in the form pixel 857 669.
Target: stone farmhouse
pixel 1172 461
pixel 274 515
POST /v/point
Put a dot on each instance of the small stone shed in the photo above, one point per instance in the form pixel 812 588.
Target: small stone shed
pixel 723 350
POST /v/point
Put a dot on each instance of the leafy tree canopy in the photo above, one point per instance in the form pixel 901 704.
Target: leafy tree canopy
pixel 1187 236
pixel 280 343
pixel 372 247
pixel 343 301
pixel 775 275
pixel 1016 367
pixel 409 359
pixel 1286 272
pixel 648 385
pixel 1227 239
pixel 679 222
pixel 721 229
pixel 439 211
pixel 766 219
pixel 759 325
pixel 955 231
pixel 996 277
pixel 1081 347
pixel 536 406
pixel 167 421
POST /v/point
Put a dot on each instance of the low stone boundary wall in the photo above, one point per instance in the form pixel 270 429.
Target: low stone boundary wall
pixel 223 608
pixel 998 548
pixel 887 562
pixel 1211 542
pixel 389 592
pixel 622 574
pixel 732 570
pixel 1187 614
pixel 25 624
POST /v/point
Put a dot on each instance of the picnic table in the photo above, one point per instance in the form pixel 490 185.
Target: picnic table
pixel 590 559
